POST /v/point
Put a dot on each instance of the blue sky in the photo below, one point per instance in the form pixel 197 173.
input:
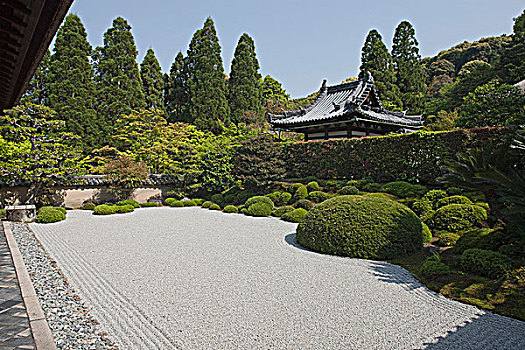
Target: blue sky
pixel 299 42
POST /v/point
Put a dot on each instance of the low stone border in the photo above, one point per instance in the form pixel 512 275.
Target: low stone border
pixel 37 321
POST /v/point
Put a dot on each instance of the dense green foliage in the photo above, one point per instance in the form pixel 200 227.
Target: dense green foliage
pixel 484 262
pixel 458 217
pixel 132 202
pixel 348 190
pixel 214 206
pixel 304 203
pixel 319 196
pixel 152 81
pixel 433 268
pixel 37 89
pixel 47 215
pixel 511 66
pixel 148 205
pixel 484 238
pixel 295 215
pixel 275 97
pixel 279 212
pixel 452 200
pixel 404 189
pixel 175 93
pixel 105 209
pixel 259 209
pixel 259 199
pixel 230 209
pixel 427 234
pixel 361 227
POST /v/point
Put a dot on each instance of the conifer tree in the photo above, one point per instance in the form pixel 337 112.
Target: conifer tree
pixel 511 67
pixel 119 87
pixel 409 74
pixel 245 87
pixel 36 92
pixel 175 91
pixel 208 107
pixel 71 86
pixel 376 60
pixel 152 81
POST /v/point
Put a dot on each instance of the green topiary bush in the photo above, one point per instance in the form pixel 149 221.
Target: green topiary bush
pixel 259 209
pixel 282 210
pixel 370 187
pixel 295 215
pixel 244 211
pixel 453 200
pixel 292 188
pixel 169 201
pixel 230 209
pixel 48 215
pixel 483 205
pixel 259 199
pixel 484 262
pixel 122 209
pixel 274 196
pixel 334 185
pixel 304 203
pixel 423 207
pixel 132 202
pixel 482 238
pixel 312 186
pixel 206 204
pixel 348 190
pixel 300 193
pixel 404 189
pixel 3 213
pixel 214 206
pixel 319 196
pixel 433 196
pixel 361 227
pixel 88 206
pixel 198 201
pixel 457 217
pixel 217 198
pixel 284 198
pixel 149 205
pixel 447 239
pixel 427 234
pixel 105 209
pixel 434 268
pixel 189 203
pixel 177 204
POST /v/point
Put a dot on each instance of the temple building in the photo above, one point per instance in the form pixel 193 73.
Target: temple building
pixel 343 111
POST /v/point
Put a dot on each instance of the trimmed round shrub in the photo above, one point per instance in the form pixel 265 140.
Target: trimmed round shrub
pixel 217 198
pixel 122 209
pixel 483 205
pixel 457 217
pixel 484 262
pixel 189 203
pixel 259 209
pixel 104 209
pixel 259 199
pixel 282 210
pixel 243 196
pixel 214 206
pixel 422 207
pixel 149 205
pixel 453 191
pixel 378 195
pixel 295 215
pixel 230 209
pixel 244 211
pixel 319 196
pixel 177 204
pixel 447 239
pixel 434 268
pixel 335 185
pixel 169 201
pixel 404 189
pixel 433 196
pixel 427 234
pixel 370 187
pixel 48 215
pixel 274 196
pixel 300 193
pixel 312 186
pixel 361 227
pixel 482 238
pixel 88 206
pixel 348 190
pixel 198 201
pixel 304 203
pixel 284 198
pixel 453 200
pixel 132 202
pixel 206 204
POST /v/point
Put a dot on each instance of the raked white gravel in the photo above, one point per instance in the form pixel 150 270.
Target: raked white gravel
pixel 190 278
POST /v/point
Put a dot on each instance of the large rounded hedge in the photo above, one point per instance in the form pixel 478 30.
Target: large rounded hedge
pixel 259 199
pixel 50 214
pixel 361 227
pixel 458 217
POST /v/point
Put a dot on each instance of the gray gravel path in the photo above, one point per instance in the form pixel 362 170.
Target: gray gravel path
pixel 197 279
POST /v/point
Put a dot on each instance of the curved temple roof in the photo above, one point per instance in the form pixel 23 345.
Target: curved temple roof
pixel 353 100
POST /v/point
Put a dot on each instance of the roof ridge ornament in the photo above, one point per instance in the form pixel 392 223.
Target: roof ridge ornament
pixel 369 78
pixel 323 86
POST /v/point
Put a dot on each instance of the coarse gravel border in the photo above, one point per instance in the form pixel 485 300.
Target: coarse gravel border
pixel 192 278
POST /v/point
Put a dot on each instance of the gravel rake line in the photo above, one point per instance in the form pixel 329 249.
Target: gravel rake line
pixel 125 317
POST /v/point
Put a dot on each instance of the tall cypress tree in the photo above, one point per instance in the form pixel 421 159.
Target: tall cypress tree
pixel 208 107
pixel 245 87
pixel 117 74
pixel 175 91
pixel 409 74
pixel 152 81
pixel 36 91
pixel 511 67
pixel 71 85
pixel 376 60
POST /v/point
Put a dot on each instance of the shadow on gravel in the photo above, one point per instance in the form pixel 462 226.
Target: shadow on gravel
pixel 290 239
pixel 389 273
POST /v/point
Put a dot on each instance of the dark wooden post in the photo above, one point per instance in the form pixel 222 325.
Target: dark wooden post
pixel 326 132
pixel 349 130
pixel 306 135
pixel 367 128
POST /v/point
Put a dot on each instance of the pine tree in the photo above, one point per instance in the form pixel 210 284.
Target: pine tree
pixel 119 87
pixel 245 88
pixel 175 95
pixel 71 85
pixel 152 81
pixel 376 60
pixel 511 67
pixel 208 107
pixel 36 91
pixel 409 74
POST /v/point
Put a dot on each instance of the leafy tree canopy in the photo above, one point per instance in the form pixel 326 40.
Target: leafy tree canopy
pixel 511 67
pixel 152 81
